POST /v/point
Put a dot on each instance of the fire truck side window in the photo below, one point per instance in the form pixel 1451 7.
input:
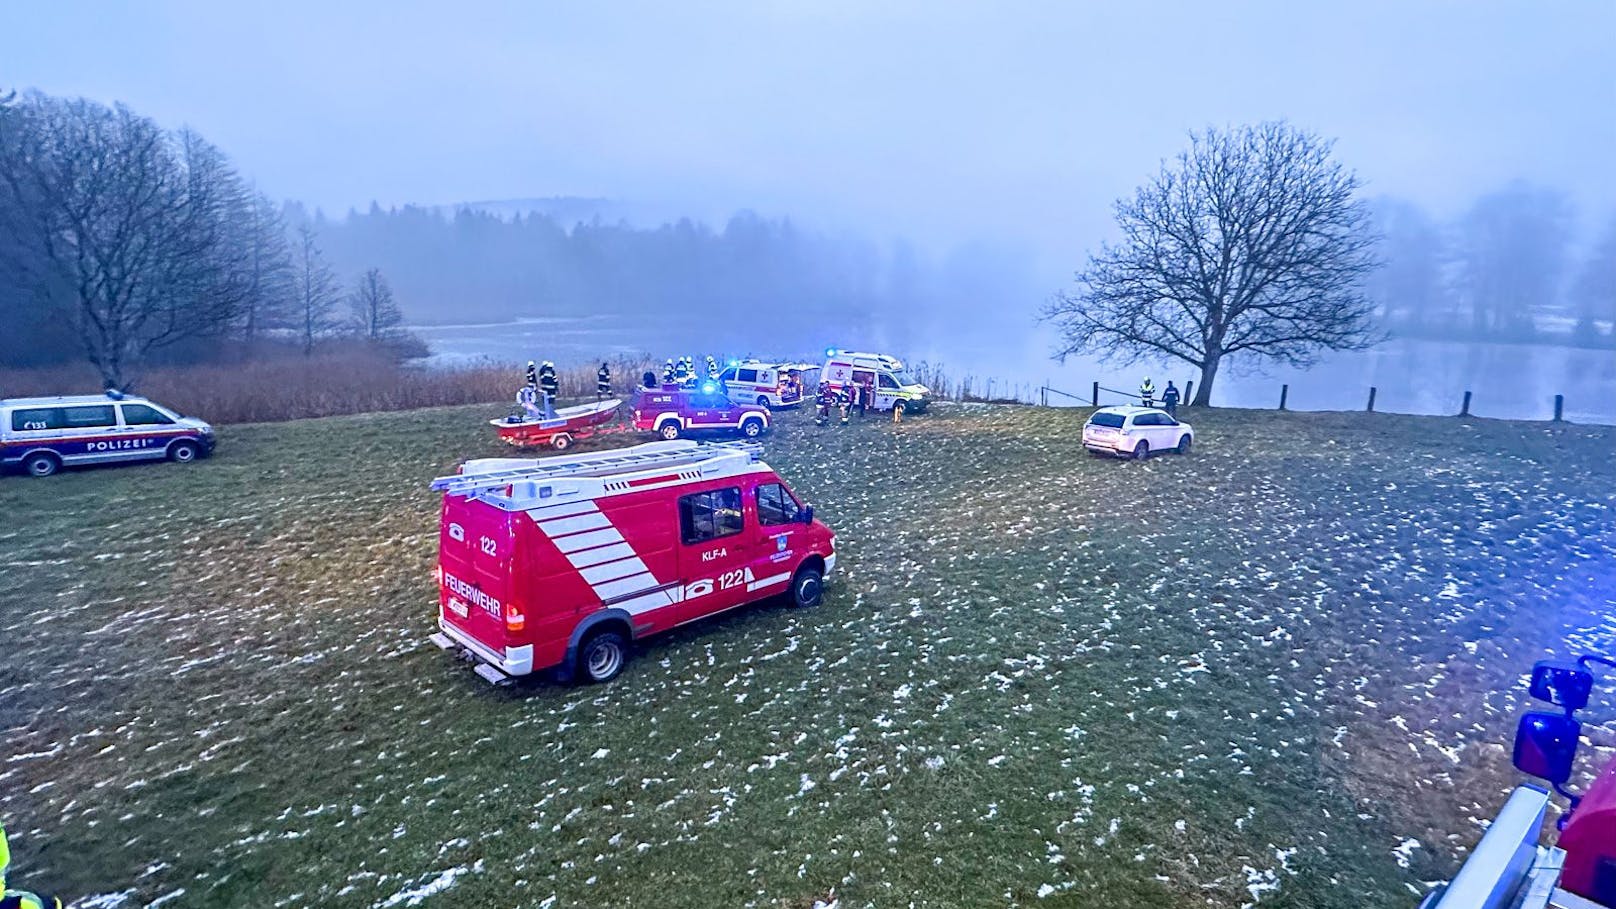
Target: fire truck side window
pixel 775 505
pixel 707 516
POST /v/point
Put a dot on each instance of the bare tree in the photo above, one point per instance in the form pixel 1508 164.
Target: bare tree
pixel 1594 290
pixel 375 316
pixel 316 291
pixel 267 272
pixel 1251 242
pixel 126 220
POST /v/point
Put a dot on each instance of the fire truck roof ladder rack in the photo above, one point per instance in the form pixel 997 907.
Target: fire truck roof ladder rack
pixel 651 456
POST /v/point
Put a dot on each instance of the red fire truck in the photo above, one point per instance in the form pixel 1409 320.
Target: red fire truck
pixel 562 562
pixel 1508 869
pixel 672 411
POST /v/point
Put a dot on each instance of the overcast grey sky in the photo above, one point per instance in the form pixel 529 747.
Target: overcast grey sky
pixel 1016 121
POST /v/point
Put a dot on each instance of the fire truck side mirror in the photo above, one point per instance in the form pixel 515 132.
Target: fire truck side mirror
pixel 1561 684
pixel 1546 746
pixel 807 514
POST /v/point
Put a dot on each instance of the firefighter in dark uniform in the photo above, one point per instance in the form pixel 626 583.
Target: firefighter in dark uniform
pixel 550 385
pixel 603 381
pixel 667 373
pixel 681 372
pixel 823 401
pixel 19 899
pixel 844 400
pixel 532 375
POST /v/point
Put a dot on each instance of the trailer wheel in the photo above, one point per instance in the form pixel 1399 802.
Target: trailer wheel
pixel 751 427
pixel 41 464
pixel 602 657
pixel 183 452
pixel 669 430
pixel 807 587
pixel 561 441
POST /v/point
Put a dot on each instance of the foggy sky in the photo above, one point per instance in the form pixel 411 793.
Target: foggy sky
pixel 1013 123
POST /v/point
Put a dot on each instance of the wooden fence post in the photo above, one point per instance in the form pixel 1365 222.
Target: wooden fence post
pixel 1559 407
pixel 1096 394
pixel 1465 410
pixel 1284 392
pixel 1371 399
pixel 1189 392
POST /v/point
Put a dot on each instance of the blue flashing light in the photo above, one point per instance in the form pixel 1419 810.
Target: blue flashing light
pixel 708 387
pixel 830 351
pixel 734 362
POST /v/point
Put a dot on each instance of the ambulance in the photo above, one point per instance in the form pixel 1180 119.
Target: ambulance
pixel 564 562
pixel 894 389
pixel 775 385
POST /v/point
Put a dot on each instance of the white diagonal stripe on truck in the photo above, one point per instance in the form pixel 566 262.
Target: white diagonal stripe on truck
pixel 576 524
pixel 588 557
pixel 611 571
pixel 589 540
pixel 625 586
pixel 566 509
pixel 769 581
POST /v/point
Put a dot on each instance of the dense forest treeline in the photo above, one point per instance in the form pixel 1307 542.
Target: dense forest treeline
pixel 131 246
pixel 1510 268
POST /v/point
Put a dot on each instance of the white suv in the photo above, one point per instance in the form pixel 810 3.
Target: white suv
pixel 1135 432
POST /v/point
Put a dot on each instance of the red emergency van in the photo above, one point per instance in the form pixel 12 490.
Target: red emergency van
pixel 671 411
pixel 562 562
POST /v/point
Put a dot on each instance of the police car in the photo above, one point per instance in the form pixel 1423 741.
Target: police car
pixel 42 435
pixel 1135 432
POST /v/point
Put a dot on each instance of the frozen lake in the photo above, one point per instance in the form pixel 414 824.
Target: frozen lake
pixel 1515 381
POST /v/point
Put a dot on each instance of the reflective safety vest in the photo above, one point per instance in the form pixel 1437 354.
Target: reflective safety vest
pixel 17 899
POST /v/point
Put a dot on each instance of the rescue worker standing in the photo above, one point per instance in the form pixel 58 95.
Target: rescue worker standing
pixel 667 373
pixel 823 401
pixel 1170 400
pixel 532 375
pixel 603 381
pixel 19 899
pixel 845 399
pixel 681 372
pixel 1147 393
pixel 550 385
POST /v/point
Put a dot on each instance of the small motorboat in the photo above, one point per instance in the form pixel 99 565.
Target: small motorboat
pixel 559 430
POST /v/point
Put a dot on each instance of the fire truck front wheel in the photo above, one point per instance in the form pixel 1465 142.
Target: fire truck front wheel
pixel 602 656
pixel 751 427
pixel 807 586
pixel 669 430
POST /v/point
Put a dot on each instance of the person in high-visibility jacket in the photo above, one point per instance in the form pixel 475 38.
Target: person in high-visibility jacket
pixel 667 372
pixel 1147 393
pixel 532 374
pixel 19 899
pixel 603 381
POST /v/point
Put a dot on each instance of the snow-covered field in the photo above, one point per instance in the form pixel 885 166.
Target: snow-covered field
pixel 1280 671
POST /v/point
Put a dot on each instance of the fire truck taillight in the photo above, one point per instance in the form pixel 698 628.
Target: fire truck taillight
pixel 514 619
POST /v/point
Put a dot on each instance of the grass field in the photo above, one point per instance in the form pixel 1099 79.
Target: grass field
pixel 1280 670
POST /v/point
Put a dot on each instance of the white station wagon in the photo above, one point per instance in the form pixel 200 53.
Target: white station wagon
pixel 1135 432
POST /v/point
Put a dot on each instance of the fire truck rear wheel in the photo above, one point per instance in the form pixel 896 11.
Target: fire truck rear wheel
pixel 807 587
pixel 183 452
pixel 41 464
pixel 669 431
pixel 602 657
pixel 751 427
